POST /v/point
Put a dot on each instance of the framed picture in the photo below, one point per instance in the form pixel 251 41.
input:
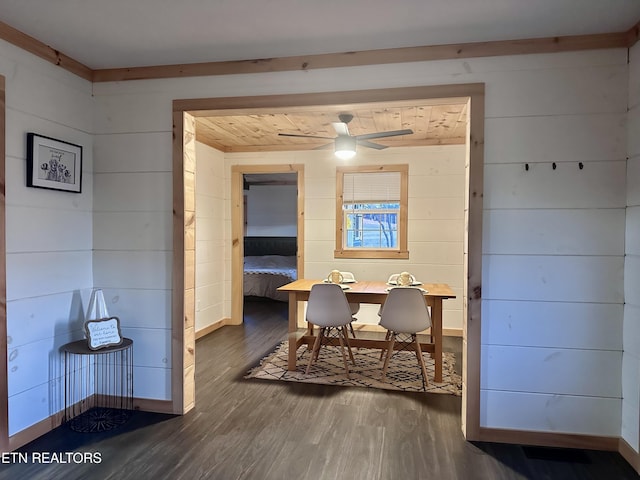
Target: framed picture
pixel 53 164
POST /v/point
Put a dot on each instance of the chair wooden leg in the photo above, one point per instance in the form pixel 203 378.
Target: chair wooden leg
pixel 421 361
pixel 390 344
pixel 316 347
pixel 321 335
pixel 386 339
pixel 353 333
pixel 346 339
pixel 344 357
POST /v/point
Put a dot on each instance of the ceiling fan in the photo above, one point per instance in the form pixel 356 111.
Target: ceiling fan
pixel 345 143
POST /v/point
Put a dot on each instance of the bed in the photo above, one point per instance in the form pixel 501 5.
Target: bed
pixel 269 263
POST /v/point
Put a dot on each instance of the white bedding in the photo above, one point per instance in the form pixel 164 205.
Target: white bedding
pixel 264 274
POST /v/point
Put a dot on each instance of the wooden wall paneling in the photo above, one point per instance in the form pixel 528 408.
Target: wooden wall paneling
pixel 555 278
pixel 555 231
pixel 570 325
pixel 523 411
pixel 567 138
pixel 4 403
pixel 547 92
pixel 551 370
pixel 596 186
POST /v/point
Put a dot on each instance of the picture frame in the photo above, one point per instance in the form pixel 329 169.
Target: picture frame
pixel 53 164
pixel 102 333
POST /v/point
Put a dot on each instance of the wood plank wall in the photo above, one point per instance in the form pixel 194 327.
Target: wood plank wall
pixel 4 395
pixel 212 257
pixel 631 331
pixel 554 246
pixel 48 275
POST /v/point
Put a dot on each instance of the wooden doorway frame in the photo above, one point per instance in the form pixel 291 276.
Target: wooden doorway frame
pixel 237 233
pixel 182 377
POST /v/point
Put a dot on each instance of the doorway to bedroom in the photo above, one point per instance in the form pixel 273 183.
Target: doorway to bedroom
pixel 267 224
pixel 270 236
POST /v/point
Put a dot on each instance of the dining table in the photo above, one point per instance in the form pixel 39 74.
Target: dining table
pixel 371 292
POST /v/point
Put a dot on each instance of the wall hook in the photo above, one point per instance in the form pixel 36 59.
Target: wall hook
pixel 580 165
pixel 526 167
pixel 554 165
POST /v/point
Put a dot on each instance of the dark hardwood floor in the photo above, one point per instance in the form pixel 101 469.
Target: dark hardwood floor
pixel 253 429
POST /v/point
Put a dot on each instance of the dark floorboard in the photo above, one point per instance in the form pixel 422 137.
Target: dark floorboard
pixel 255 429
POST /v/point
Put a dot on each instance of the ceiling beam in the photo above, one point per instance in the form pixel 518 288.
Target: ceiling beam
pixel 369 57
pixel 32 45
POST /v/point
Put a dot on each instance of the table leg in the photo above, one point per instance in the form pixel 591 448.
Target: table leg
pixel 436 320
pixel 293 329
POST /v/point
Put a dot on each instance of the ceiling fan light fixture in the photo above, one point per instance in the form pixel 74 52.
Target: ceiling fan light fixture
pixel 345 147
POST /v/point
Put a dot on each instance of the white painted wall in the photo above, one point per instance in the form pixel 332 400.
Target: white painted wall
pixel 554 246
pixel 272 210
pixel 631 358
pixel 211 232
pixel 48 234
pixel 436 217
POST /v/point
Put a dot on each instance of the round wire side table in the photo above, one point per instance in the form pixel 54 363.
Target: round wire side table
pixel 98 386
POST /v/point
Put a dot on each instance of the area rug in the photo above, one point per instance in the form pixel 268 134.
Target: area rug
pixel 403 372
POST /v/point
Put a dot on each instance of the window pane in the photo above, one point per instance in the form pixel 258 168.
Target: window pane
pixel 371 230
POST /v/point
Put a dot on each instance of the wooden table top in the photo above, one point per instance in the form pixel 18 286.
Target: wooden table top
pixel 441 290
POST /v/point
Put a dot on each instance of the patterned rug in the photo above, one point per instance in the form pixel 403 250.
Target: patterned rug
pixel 403 372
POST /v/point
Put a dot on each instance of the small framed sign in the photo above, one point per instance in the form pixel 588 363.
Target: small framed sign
pixel 53 164
pixel 103 333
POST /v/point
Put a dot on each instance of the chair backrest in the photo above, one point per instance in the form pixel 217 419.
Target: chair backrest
pixel 405 311
pixel 328 306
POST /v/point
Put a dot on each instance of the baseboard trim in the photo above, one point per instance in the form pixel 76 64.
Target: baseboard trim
pixel 629 454
pixel 212 328
pixel 151 405
pixel 44 426
pixel 549 439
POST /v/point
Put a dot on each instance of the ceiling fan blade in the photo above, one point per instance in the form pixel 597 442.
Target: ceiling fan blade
pixel 303 136
pixel 341 128
pixel 392 133
pixel 322 147
pixel 367 143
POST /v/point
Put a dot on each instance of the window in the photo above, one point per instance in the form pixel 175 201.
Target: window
pixel 371 212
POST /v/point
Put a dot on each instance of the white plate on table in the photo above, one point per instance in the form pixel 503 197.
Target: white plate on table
pixel 341 285
pixel 396 286
pixel 413 284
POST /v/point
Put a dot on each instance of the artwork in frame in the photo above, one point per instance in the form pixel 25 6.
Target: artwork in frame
pixel 53 164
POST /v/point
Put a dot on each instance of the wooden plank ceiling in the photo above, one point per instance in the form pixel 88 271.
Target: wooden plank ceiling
pixel 434 122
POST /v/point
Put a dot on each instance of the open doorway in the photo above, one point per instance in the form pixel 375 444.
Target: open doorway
pixel 270 235
pixel 184 110
pixel 286 244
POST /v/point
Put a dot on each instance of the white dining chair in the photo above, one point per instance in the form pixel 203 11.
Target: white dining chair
pixel 349 277
pixel 404 314
pixel 328 309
